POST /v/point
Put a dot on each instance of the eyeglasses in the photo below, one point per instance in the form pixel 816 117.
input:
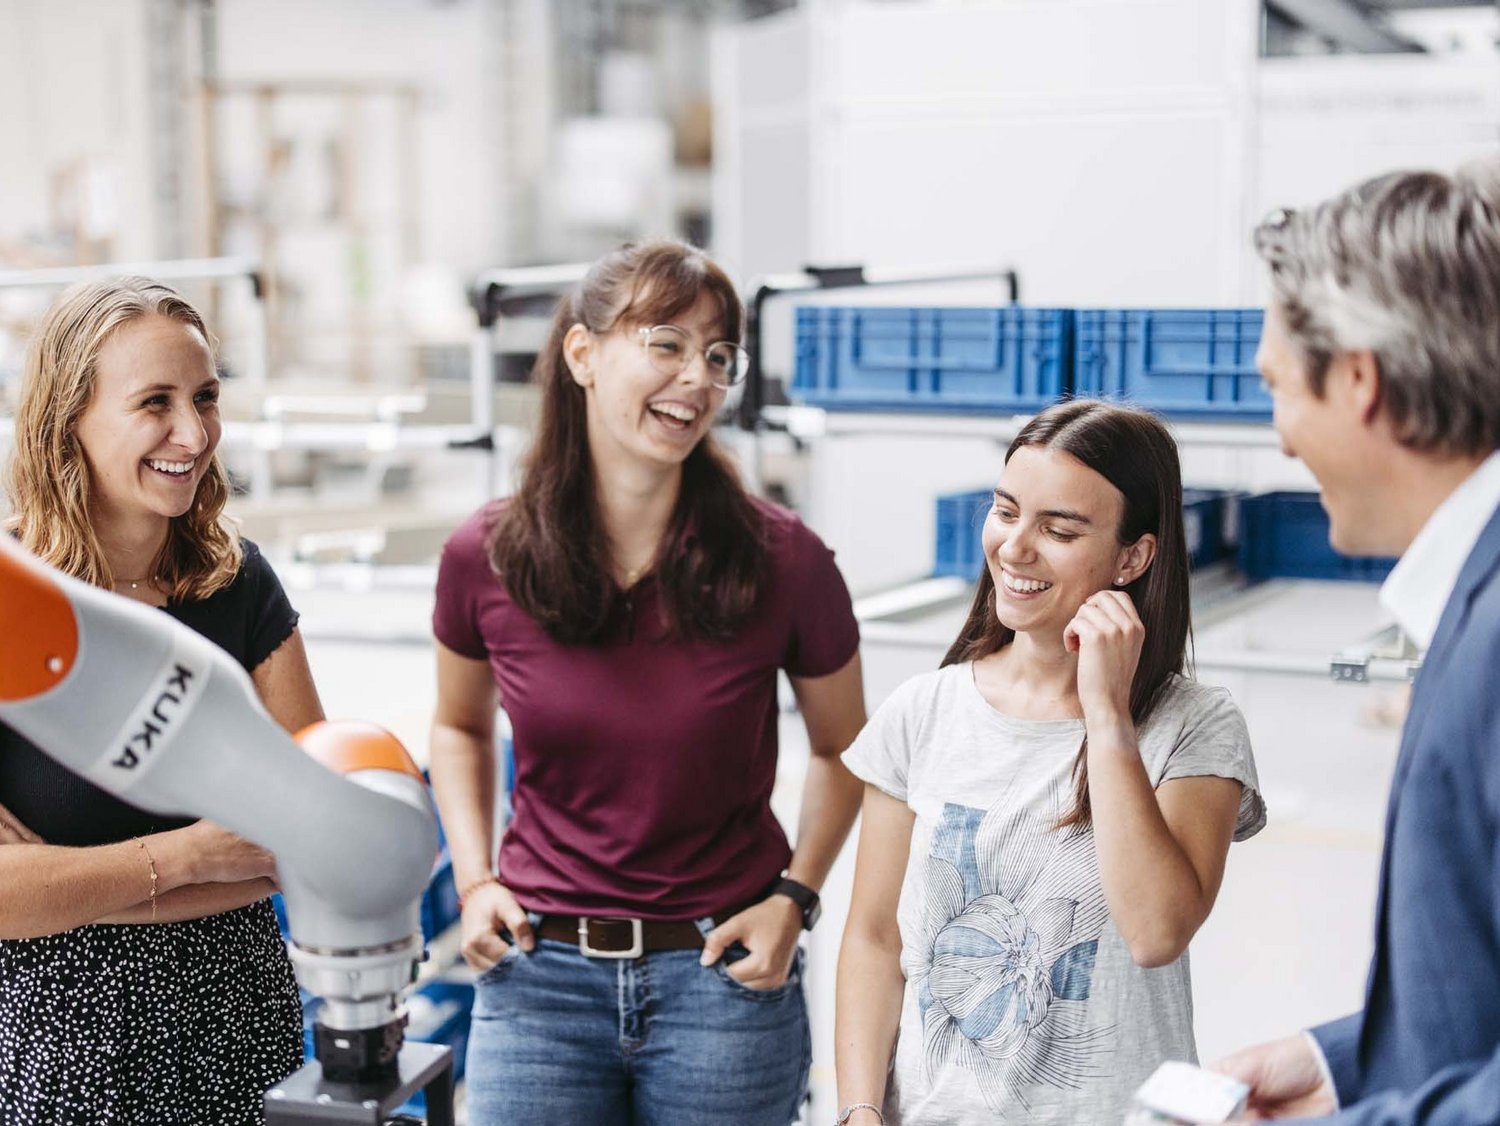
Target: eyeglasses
pixel 670 350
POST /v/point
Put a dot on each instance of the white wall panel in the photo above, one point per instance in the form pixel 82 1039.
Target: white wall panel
pixel 1106 209
pixel 1056 49
pixel 1096 144
pixel 1325 124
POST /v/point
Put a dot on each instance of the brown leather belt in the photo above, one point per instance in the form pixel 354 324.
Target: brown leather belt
pixel 610 937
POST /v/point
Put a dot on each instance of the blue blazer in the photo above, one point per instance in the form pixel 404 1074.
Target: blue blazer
pixel 1426 1047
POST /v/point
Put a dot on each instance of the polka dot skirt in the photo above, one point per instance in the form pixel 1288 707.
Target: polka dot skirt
pixel 179 1024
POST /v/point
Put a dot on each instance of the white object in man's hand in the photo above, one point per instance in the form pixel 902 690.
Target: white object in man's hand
pixel 1288 1078
pixel 1180 1093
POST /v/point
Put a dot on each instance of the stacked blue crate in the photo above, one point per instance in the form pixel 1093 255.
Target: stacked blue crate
pixel 507 776
pixel 1285 535
pixel 1013 359
pixel 960 520
pixel 440 900
pixel 1208 520
pixel 1180 362
pixel 1008 358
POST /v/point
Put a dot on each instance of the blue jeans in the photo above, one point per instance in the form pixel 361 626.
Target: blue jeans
pixel 651 1041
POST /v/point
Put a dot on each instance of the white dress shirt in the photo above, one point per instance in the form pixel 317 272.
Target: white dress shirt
pixel 1420 586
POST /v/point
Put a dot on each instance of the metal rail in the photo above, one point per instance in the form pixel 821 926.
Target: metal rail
pixel 173 270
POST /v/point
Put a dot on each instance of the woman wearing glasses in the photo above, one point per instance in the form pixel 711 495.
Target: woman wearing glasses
pixel 630 608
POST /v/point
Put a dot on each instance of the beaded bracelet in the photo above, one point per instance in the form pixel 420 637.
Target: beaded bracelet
pixel 151 864
pixel 474 885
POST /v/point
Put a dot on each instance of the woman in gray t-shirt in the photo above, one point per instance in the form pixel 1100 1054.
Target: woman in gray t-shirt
pixel 1047 816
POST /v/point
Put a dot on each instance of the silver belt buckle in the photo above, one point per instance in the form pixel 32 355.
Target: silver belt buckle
pixel 637 941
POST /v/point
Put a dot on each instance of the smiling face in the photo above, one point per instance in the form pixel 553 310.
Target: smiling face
pixel 635 413
pixel 1330 433
pixel 150 430
pixel 1050 541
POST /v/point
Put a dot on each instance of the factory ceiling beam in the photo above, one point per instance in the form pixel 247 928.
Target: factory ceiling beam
pixel 1347 24
pixel 1405 5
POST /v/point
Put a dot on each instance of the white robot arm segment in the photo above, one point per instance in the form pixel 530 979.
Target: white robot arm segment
pixel 146 709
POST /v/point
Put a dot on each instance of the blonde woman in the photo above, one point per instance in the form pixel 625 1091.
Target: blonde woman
pixel 142 977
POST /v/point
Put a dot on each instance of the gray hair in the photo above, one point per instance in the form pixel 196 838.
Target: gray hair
pixel 1406 265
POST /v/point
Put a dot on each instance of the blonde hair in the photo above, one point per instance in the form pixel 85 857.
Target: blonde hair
pixel 49 477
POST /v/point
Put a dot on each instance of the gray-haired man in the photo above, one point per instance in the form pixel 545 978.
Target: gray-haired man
pixel 1382 353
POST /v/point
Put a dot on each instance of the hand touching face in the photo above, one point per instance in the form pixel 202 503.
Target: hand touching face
pixel 1107 635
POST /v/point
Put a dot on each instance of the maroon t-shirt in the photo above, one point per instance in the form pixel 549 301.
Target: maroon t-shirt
pixel 644 765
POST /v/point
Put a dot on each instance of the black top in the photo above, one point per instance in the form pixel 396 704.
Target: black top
pixel 248 619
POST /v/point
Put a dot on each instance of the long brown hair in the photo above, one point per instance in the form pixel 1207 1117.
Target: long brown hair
pixel 1133 451
pixel 49 475
pixel 548 545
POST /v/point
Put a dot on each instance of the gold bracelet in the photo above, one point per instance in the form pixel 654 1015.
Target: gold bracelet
pixel 150 863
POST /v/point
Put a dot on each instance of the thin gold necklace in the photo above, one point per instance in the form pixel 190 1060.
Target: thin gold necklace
pixel 135 584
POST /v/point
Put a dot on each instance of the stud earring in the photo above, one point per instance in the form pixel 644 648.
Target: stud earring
pixel 1119 580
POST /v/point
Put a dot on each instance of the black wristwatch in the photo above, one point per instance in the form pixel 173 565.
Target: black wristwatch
pixel 804 897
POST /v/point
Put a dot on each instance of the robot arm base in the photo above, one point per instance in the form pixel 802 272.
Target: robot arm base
pixel 308 1096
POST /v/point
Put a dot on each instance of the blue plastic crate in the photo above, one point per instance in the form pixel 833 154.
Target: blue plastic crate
pixel 1185 362
pixel 960 521
pixel 1285 535
pixel 310 1007
pixel 440 900
pixel 507 776
pixel 1007 358
pixel 442 837
pixel 1207 525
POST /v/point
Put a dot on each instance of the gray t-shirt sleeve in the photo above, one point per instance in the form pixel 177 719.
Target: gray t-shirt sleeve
pixel 881 753
pixel 1212 739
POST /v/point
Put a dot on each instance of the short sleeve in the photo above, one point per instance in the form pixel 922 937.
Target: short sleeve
pixel 464 565
pixel 1215 741
pixel 271 617
pixel 881 753
pixel 824 633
